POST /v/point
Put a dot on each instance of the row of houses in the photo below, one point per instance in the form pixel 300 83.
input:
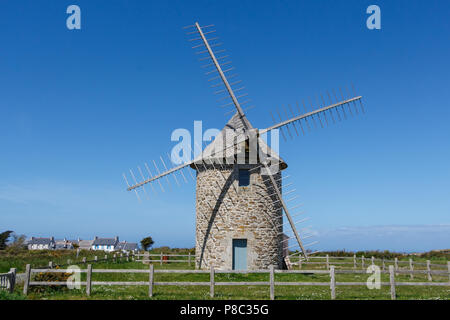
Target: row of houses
pixel 104 244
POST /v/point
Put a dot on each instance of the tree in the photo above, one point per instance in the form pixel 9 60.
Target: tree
pixel 4 239
pixel 147 242
pixel 18 241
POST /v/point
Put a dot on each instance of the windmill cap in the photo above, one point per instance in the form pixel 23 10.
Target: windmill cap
pixel 222 149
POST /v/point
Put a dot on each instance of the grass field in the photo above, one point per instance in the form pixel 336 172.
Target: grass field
pixel 40 258
pixel 231 292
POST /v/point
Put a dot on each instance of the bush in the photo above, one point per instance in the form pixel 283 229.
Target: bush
pixel 50 277
pixel 5 295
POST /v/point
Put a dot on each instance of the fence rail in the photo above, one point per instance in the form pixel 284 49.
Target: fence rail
pixel 363 262
pixel 357 261
pixel 115 258
pixel 151 283
pixel 8 280
pixel 163 258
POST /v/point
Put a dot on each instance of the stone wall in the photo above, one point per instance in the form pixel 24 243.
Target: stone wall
pixel 239 213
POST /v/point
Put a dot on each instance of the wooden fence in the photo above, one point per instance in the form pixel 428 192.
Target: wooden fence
pixel 163 258
pixel 115 258
pixel 8 280
pixel 356 262
pixel 151 283
pixel 364 262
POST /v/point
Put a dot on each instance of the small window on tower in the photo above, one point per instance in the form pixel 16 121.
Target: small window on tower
pixel 244 178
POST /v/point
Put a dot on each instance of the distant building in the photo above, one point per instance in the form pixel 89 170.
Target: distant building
pixel 127 246
pixel 63 244
pixel 84 244
pixel 105 244
pixel 41 243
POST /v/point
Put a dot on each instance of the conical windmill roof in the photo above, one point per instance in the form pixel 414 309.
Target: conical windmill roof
pixel 222 146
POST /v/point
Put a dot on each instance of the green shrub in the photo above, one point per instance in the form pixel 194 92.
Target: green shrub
pixel 5 295
pixel 50 277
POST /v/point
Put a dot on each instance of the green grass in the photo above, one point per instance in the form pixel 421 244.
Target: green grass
pixel 4 295
pixel 41 258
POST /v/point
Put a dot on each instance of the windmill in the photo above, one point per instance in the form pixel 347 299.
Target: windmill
pixel 239 197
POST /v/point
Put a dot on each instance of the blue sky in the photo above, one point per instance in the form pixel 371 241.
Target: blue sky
pixel 80 107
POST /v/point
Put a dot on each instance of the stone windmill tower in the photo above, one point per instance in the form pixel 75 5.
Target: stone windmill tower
pixel 239 202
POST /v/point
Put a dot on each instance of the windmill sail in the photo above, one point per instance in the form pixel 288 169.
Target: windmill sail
pixel 309 114
pixel 159 176
pixel 221 72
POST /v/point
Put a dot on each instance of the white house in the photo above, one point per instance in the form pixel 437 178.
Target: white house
pixel 105 244
pixel 41 243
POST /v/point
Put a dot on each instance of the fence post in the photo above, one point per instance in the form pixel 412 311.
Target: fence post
pixel 272 283
pixel 299 262
pixel 12 279
pixel 89 279
pixel 160 259
pixel 332 283
pixel 95 258
pixel 354 261
pixel 27 279
pixel 411 268
pixel 362 262
pixel 429 271
pixel 84 259
pixel 189 258
pixel 328 262
pixel 211 279
pixel 150 281
pixel 392 281
pixel 396 264
pixel 50 264
pixel 448 266
pixel 106 257
pixel 78 252
pixel 384 265
pixel 373 260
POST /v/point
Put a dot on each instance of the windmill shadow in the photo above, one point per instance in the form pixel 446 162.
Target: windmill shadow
pixel 215 211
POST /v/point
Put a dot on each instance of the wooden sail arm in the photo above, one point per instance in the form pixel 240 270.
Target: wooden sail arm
pixel 309 114
pixel 159 176
pixel 286 211
pixel 223 77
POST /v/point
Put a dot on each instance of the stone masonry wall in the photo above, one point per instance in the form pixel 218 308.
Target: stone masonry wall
pixel 240 213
